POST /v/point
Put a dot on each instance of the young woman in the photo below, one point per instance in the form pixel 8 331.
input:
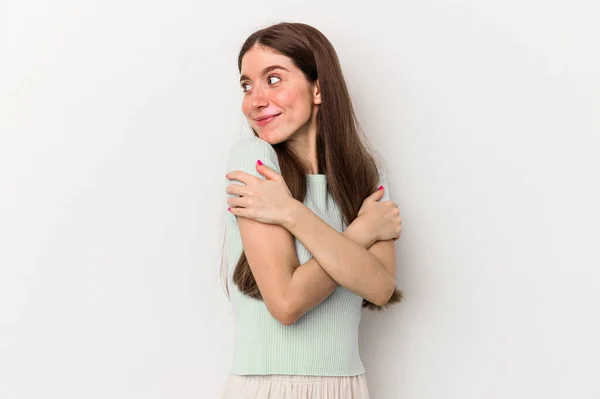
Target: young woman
pixel 310 230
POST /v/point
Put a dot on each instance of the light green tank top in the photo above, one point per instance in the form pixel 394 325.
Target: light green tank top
pixel 324 341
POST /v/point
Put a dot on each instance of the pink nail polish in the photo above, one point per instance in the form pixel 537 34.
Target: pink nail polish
pixel 229 209
pixel 258 162
pixel 380 188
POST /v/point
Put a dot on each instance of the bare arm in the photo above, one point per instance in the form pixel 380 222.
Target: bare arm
pixel 347 262
pixel 289 289
pixel 311 285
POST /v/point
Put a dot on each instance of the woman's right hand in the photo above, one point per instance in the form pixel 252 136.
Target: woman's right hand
pixel 381 218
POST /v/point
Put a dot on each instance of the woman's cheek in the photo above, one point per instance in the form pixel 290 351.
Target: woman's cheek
pixel 285 98
pixel 245 107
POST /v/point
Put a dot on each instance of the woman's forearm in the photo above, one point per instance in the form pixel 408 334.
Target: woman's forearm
pixel 311 285
pixel 345 261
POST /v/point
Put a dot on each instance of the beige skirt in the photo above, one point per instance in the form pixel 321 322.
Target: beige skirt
pixel 274 386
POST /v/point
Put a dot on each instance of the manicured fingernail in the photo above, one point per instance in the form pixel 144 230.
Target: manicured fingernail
pixel 258 162
pixel 229 209
pixel 380 188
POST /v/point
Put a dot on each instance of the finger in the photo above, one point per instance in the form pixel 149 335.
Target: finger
pixel 237 202
pixel 377 195
pixel 242 212
pixel 266 171
pixel 241 176
pixel 234 188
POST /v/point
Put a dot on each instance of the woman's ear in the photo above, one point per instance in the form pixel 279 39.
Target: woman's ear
pixel 316 92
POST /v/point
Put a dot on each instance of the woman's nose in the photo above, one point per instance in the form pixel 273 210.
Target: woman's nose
pixel 259 98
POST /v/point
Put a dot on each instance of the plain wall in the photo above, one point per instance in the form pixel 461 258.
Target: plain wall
pixel 116 120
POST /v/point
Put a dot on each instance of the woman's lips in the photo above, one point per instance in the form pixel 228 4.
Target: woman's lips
pixel 266 120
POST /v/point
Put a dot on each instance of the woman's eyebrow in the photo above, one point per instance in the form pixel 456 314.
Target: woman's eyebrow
pixel 265 71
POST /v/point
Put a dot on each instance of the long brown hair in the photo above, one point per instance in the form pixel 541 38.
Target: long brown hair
pixel 344 154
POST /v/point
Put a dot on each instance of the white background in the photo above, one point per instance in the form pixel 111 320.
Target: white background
pixel 116 119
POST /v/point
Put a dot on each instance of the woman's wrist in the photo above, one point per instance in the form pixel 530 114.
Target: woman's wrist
pixel 293 211
pixel 360 233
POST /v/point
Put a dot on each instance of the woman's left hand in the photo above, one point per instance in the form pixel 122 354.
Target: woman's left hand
pixel 268 201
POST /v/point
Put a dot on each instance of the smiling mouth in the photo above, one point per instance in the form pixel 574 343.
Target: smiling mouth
pixel 266 120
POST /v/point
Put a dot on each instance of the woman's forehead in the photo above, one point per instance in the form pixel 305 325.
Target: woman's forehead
pixel 257 59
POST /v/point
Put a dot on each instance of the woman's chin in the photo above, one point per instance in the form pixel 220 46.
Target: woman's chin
pixel 269 137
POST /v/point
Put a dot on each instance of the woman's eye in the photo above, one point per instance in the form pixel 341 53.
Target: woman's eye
pixel 246 84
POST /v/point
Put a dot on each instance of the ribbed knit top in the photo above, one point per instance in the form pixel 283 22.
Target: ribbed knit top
pixel 324 341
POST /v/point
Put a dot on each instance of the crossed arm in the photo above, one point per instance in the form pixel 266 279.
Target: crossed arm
pixel 352 259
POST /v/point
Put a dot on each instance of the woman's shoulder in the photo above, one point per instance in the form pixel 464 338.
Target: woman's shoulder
pixel 247 150
pixel 252 145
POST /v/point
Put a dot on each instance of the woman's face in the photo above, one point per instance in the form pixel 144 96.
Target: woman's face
pixel 281 91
